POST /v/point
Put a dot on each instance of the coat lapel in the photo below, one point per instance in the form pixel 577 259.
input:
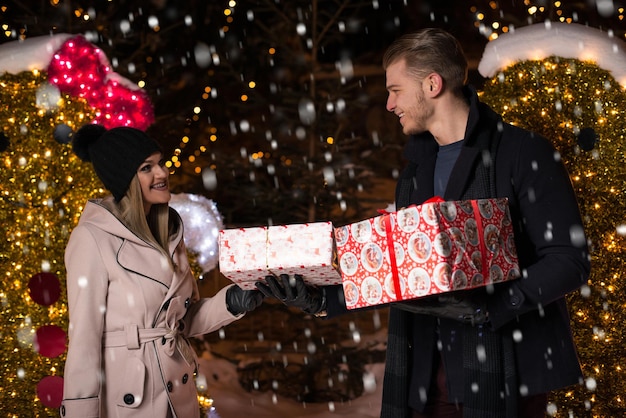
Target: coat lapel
pixel 133 253
pixel 480 135
pixel 418 178
pixel 132 256
pixel 425 181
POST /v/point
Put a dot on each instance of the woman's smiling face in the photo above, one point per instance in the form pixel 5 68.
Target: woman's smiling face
pixel 153 178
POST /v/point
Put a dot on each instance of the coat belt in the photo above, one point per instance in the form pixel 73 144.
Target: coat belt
pixel 132 337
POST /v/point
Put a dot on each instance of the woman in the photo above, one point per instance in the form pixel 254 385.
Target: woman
pixel 132 298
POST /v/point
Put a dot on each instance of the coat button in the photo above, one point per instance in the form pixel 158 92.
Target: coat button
pixel 187 302
pixel 170 387
pixel 129 399
pixel 63 410
pixel 185 378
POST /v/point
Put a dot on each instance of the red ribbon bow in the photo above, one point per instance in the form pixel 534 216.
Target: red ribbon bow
pixel 82 70
pixel 391 243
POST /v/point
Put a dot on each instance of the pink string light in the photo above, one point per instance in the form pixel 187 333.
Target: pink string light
pixel 82 70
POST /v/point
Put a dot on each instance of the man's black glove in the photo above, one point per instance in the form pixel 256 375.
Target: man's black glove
pixel 463 309
pixel 239 301
pixel 294 292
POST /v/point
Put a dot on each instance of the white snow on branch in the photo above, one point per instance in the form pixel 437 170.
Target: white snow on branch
pixel 543 40
pixel 30 54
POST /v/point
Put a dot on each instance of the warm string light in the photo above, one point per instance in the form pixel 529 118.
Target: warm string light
pixel 185 156
pixel 535 12
pixel 565 99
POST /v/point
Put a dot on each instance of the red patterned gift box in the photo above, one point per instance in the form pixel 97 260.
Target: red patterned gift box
pixel 247 255
pixel 438 247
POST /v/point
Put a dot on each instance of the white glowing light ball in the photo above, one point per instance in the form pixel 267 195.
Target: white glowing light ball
pixel 202 223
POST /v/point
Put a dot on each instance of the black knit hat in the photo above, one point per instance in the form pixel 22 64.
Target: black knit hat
pixel 116 154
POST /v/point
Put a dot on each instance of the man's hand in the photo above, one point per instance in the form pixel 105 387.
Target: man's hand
pixel 448 306
pixel 294 292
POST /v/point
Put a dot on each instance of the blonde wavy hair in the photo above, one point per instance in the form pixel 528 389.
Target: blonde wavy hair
pixel 155 228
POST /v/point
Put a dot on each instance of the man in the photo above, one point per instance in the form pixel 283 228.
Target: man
pixel 496 351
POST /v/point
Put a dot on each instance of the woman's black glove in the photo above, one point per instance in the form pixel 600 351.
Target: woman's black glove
pixel 294 292
pixel 239 301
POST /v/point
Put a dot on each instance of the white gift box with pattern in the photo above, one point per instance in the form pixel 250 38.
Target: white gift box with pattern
pixel 247 255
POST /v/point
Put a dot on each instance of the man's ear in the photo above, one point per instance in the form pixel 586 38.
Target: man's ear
pixel 434 84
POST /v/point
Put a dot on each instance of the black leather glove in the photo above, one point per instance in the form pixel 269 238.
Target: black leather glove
pixel 239 301
pixel 294 292
pixel 463 309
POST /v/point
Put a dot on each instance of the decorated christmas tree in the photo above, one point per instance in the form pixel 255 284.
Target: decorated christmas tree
pixel 42 190
pixel 50 86
pixel 566 82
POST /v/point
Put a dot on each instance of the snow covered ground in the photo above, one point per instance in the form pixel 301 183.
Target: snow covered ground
pixel 232 401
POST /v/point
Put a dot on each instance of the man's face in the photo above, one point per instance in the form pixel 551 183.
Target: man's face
pixel 407 100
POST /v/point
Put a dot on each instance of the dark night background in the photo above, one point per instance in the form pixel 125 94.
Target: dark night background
pixel 269 160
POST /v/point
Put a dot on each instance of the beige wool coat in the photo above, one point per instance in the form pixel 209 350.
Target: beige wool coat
pixel 130 316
